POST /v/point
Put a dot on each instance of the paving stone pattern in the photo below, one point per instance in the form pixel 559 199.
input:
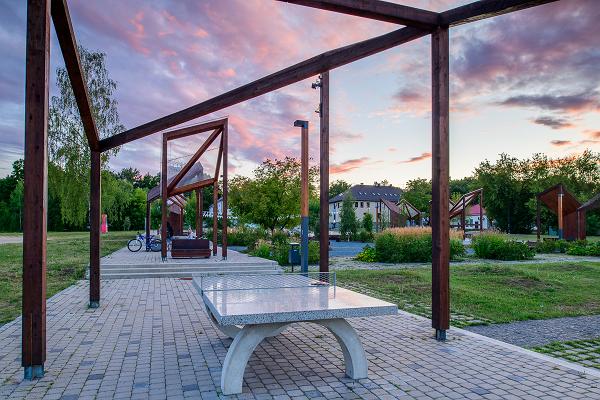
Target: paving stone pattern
pixel 584 352
pixel 151 339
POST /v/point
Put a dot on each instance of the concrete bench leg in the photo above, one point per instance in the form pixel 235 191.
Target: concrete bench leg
pixel 354 353
pixel 250 336
pixel 239 353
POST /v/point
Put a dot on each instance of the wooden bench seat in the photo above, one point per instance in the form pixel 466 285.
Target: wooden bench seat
pixel 190 248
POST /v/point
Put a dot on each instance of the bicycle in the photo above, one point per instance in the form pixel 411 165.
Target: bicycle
pixel 153 244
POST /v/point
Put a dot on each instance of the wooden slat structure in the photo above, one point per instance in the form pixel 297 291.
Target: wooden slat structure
pixel 569 211
pixel 171 190
pixel 419 23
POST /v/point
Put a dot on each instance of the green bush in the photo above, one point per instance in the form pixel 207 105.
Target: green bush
pixel 399 245
pixel 496 247
pixel 367 254
pixel 584 248
pixel 279 252
pixel 280 237
pixel 365 236
pixel 262 250
pixel 552 246
pixel 245 236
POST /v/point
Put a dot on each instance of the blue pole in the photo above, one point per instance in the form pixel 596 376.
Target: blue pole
pixel 304 244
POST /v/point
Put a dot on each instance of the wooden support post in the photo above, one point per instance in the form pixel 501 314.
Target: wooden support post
pixel 324 176
pixel 303 194
pixel 37 64
pixel 215 215
pixel 199 211
pixel 440 175
pixel 148 222
pixel 95 195
pixel 224 213
pixel 163 197
pixel 560 213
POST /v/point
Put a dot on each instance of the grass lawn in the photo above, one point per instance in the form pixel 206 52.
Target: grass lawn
pixel 68 258
pixel 489 292
pixel 533 237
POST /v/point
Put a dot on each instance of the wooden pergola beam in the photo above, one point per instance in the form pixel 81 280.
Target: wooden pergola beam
pixel 377 10
pixel 485 9
pixel 192 186
pixel 193 129
pixel 68 47
pixel 303 70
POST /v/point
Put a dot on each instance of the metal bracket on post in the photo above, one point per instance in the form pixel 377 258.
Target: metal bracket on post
pixel 440 335
pixel 33 371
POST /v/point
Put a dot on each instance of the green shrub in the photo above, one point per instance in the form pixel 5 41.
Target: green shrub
pixel 279 252
pixel 552 246
pixel 365 236
pixel 245 236
pixel 279 237
pixel 584 248
pixel 398 245
pixel 496 247
pixel 367 254
pixel 262 250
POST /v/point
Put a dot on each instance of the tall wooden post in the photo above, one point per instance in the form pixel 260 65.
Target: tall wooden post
pixel 215 215
pixel 199 212
pixel 224 213
pixel 95 195
pixel 303 195
pixel 36 188
pixel 324 176
pixel 560 213
pixel 440 175
pixel 163 197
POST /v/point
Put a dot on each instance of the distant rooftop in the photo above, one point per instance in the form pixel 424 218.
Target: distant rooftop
pixel 371 193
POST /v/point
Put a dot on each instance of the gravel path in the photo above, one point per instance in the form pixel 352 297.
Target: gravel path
pixel 541 332
pixel 341 263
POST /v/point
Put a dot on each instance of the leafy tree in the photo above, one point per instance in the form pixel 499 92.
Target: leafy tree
pixel 67 142
pixel 418 193
pixel 507 189
pixel 338 187
pixel 272 198
pixel 348 223
pixel 367 222
pixel 313 216
pixel 148 181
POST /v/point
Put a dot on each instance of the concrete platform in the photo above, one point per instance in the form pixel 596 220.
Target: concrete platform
pixel 124 264
pixel 151 339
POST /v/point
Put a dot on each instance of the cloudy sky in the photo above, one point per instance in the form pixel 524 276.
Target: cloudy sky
pixel 520 83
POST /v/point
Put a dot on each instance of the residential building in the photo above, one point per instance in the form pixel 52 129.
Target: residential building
pixel 366 200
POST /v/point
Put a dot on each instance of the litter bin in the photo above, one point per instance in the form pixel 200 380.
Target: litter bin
pixel 294 255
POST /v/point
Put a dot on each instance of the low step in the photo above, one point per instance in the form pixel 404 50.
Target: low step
pixel 182 274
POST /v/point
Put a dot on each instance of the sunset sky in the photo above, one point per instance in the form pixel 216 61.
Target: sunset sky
pixel 521 83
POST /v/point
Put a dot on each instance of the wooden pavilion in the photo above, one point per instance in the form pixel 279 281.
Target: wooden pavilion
pixel 192 177
pixel 417 23
pixel 571 217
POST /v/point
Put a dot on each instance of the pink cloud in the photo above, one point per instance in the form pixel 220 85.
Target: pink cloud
pixel 348 165
pixel 423 156
pixel 561 143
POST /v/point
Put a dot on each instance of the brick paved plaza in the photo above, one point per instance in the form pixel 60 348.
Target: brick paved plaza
pixel 151 339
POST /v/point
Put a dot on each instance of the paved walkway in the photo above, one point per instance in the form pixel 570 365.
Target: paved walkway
pixel 151 339
pixel 10 239
pixel 541 332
